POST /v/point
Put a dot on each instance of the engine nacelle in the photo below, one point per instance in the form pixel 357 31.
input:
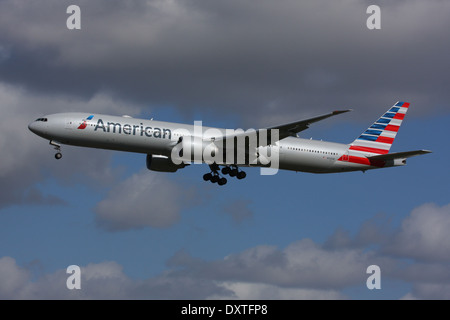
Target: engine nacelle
pixel 162 164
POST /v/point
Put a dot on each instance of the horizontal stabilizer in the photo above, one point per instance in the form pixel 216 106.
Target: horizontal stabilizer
pixel 399 155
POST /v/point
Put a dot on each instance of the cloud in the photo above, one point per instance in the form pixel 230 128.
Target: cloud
pixel 302 270
pixel 422 239
pixel 26 157
pixel 431 291
pixel 375 231
pixel 104 280
pixel 35 196
pixel 12 278
pixel 238 210
pixel 146 199
pixel 424 235
pixel 279 274
pixel 305 269
pixel 256 291
pixel 289 58
pixel 302 265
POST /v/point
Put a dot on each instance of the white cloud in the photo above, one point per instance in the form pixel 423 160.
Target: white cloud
pixel 230 278
pixel 433 291
pixel 104 279
pixel 107 280
pixel 146 199
pixel 258 291
pixel 303 265
pixel 424 234
pixel 12 278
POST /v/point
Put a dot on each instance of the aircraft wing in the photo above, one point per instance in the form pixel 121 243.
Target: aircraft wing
pixel 291 129
pixel 284 130
pixel 399 155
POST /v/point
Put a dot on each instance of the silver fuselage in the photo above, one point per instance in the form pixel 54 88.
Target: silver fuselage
pixel 158 138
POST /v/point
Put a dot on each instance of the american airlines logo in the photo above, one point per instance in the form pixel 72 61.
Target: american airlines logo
pixel 84 124
pixel 131 129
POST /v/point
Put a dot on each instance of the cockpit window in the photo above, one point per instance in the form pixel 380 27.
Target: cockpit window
pixel 42 119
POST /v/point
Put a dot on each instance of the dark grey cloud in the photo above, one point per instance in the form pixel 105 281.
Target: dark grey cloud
pixel 27 159
pixel 287 57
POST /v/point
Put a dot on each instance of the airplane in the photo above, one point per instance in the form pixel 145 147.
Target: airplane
pixel 166 143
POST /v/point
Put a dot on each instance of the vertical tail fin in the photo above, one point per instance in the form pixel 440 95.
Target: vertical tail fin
pixel 378 138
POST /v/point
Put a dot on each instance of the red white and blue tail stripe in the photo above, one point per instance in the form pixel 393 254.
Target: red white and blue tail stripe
pixel 378 138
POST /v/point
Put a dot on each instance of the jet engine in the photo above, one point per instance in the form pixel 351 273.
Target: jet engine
pixel 162 164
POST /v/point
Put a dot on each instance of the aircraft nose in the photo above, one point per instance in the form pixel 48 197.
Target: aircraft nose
pixel 32 127
pixel 39 126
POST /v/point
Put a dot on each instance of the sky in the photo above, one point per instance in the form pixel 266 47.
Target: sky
pixel 138 234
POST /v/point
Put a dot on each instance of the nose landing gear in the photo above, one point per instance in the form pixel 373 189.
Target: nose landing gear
pixel 57 147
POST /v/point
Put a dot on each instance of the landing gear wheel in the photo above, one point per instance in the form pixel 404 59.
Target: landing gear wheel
pixel 233 172
pixel 241 175
pixel 214 176
pixel 226 170
pixel 57 147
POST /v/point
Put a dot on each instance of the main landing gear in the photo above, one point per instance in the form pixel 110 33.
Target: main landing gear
pixel 215 177
pixel 58 154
